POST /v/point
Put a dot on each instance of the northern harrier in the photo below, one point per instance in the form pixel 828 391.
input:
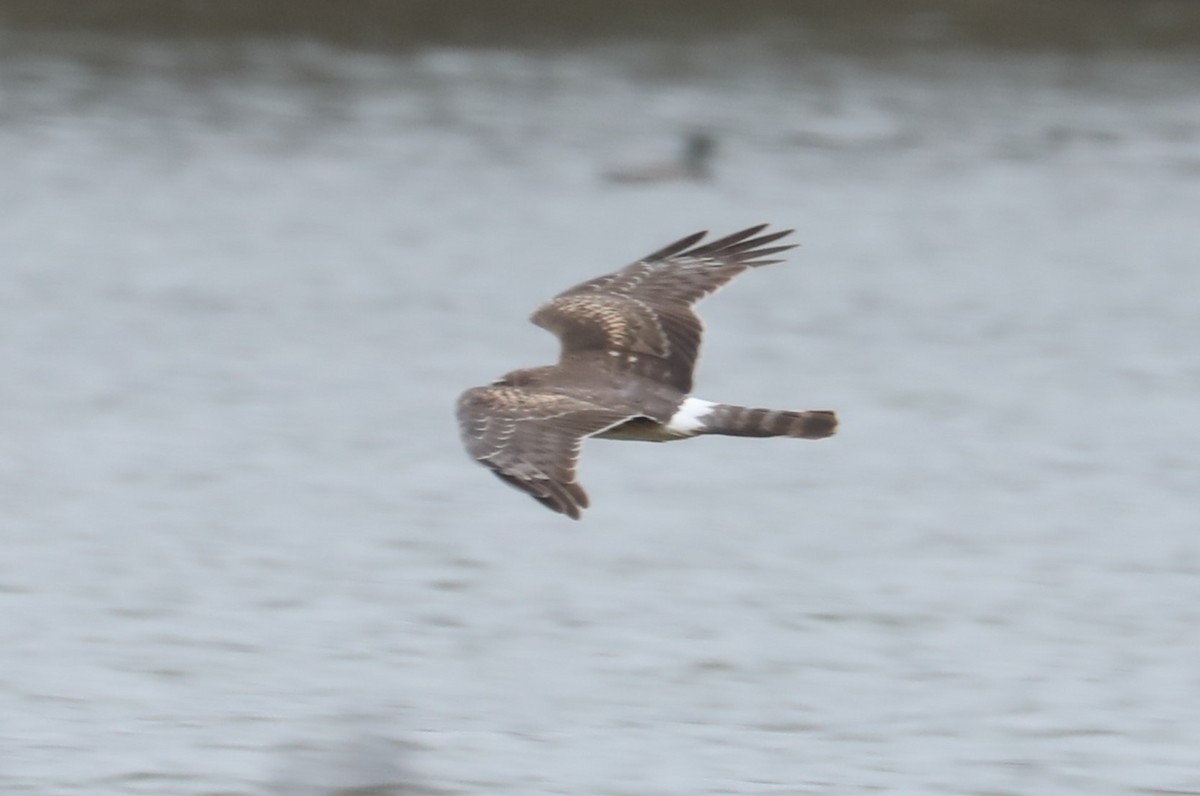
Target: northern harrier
pixel 629 346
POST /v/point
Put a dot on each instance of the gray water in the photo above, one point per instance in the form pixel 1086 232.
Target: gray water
pixel 243 551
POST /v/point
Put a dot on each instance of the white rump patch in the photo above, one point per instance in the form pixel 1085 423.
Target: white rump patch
pixel 689 416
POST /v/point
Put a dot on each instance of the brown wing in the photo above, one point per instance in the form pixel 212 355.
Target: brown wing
pixel 645 309
pixel 532 440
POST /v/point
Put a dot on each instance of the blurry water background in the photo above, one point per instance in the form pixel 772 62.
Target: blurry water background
pixel 251 252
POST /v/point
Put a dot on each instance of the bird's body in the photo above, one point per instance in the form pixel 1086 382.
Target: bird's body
pixel 630 341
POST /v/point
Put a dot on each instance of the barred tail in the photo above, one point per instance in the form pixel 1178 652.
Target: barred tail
pixel 741 421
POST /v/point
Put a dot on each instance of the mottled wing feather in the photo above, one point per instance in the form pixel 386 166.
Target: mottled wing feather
pixel 532 440
pixel 645 309
pixel 685 273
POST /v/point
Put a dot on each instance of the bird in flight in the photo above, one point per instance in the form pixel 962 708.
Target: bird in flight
pixel 630 340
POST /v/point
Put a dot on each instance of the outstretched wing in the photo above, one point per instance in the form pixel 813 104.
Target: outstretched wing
pixel 646 309
pixel 532 440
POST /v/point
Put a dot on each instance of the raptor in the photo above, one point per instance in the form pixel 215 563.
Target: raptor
pixel 630 340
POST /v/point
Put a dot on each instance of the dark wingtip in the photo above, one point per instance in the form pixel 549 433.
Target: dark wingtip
pixel 767 252
pixel 568 499
pixel 678 246
pixel 744 242
pixel 565 498
pixel 569 509
pixel 732 241
pixel 747 245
